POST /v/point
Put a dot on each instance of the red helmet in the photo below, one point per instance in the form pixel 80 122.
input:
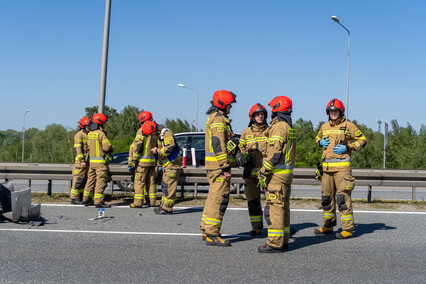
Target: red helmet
pixel 281 103
pixel 149 127
pixel 84 121
pixel 222 98
pixel 99 118
pixel 257 108
pixel 145 116
pixel 335 104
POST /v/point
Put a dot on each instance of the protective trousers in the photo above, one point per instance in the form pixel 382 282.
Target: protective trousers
pixel 216 203
pixel 252 192
pixel 277 209
pixel 145 179
pixel 337 187
pixel 78 181
pixel 169 185
pixel 97 178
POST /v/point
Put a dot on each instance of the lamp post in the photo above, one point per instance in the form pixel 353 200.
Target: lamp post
pixel 23 136
pixel 104 67
pixel 196 116
pixel 334 18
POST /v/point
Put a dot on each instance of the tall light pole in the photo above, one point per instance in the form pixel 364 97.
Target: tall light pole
pixel 104 66
pixel 196 117
pixel 23 136
pixel 334 18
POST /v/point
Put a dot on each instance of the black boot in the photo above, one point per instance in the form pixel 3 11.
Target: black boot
pixel 102 205
pixel 76 201
pixel 161 211
pixel 268 249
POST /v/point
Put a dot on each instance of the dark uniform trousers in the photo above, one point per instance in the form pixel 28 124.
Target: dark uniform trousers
pixel 216 203
pixel 337 187
pixel 252 192
pixel 168 186
pixel 78 181
pixel 97 178
pixel 277 209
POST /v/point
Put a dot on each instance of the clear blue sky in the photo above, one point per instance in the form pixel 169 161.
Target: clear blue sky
pixel 50 58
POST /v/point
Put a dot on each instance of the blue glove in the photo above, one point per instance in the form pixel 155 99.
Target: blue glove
pixel 340 149
pixel 131 168
pixel 159 169
pixel 324 142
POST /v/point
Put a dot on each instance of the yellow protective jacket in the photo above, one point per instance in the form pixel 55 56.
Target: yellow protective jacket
pixel 339 132
pixel 281 150
pixel 254 141
pixel 81 147
pixel 140 150
pixel 168 149
pixel 218 134
pixel 99 146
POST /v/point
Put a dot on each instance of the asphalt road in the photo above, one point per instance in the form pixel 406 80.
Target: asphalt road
pixel 138 246
pixel 360 192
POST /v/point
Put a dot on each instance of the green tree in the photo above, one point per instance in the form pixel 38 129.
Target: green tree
pixel 179 126
pixel 53 145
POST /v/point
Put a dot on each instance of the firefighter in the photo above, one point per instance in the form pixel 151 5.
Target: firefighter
pixel 80 168
pixel 100 150
pixel 338 138
pixel 169 154
pixel 141 197
pixel 276 175
pixel 253 143
pixel 220 145
pixel 143 162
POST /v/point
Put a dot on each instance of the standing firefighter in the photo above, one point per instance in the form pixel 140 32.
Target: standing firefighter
pixel 219 146
pixel 80 168
pixel 143 162
pixel 339 138
pixel 169 154
pixel 276 175
pixel 100 150
pixel 253 143
pixel 140 197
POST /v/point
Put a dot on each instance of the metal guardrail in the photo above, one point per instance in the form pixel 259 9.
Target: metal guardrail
pixel 197 176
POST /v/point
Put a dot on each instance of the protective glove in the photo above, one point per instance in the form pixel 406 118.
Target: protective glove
pixel 324 142
pixel 261 177
pixel 319 172
pixel 131 168
pixel 241 159
pixel 159 169
pixel 340 149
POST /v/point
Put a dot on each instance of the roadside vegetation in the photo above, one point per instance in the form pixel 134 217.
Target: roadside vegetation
pixel 54 144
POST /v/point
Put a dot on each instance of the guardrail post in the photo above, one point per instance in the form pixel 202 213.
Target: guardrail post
pixel 369 194
pixel 49 187
pixel 182 189
pixel 29 183
pixel 195 190
pixel 413 193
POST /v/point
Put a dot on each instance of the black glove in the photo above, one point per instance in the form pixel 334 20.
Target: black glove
pixel 247 170
pixel 241 159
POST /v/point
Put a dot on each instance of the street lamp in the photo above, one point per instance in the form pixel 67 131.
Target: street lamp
pixel 23 135
pixel 334 18
pixel 196 117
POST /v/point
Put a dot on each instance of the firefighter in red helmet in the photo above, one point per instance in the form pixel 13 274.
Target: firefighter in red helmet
pixel 220 146
pixel 100 150
pixel 338 138
pixel 276 175
pixel 80 168
pixel 142 162
pixel 253 143
pixel 169 154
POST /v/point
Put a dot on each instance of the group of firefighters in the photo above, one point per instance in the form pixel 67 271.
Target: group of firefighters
pixel 267 154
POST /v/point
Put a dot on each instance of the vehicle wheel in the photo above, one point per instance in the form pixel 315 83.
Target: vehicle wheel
pixel 125 185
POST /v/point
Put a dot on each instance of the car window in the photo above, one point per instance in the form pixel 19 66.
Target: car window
pixel 198 142
pixel 181 140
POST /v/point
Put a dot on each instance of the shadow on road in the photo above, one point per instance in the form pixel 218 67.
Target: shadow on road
pixel 361 229
pixel 188 210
